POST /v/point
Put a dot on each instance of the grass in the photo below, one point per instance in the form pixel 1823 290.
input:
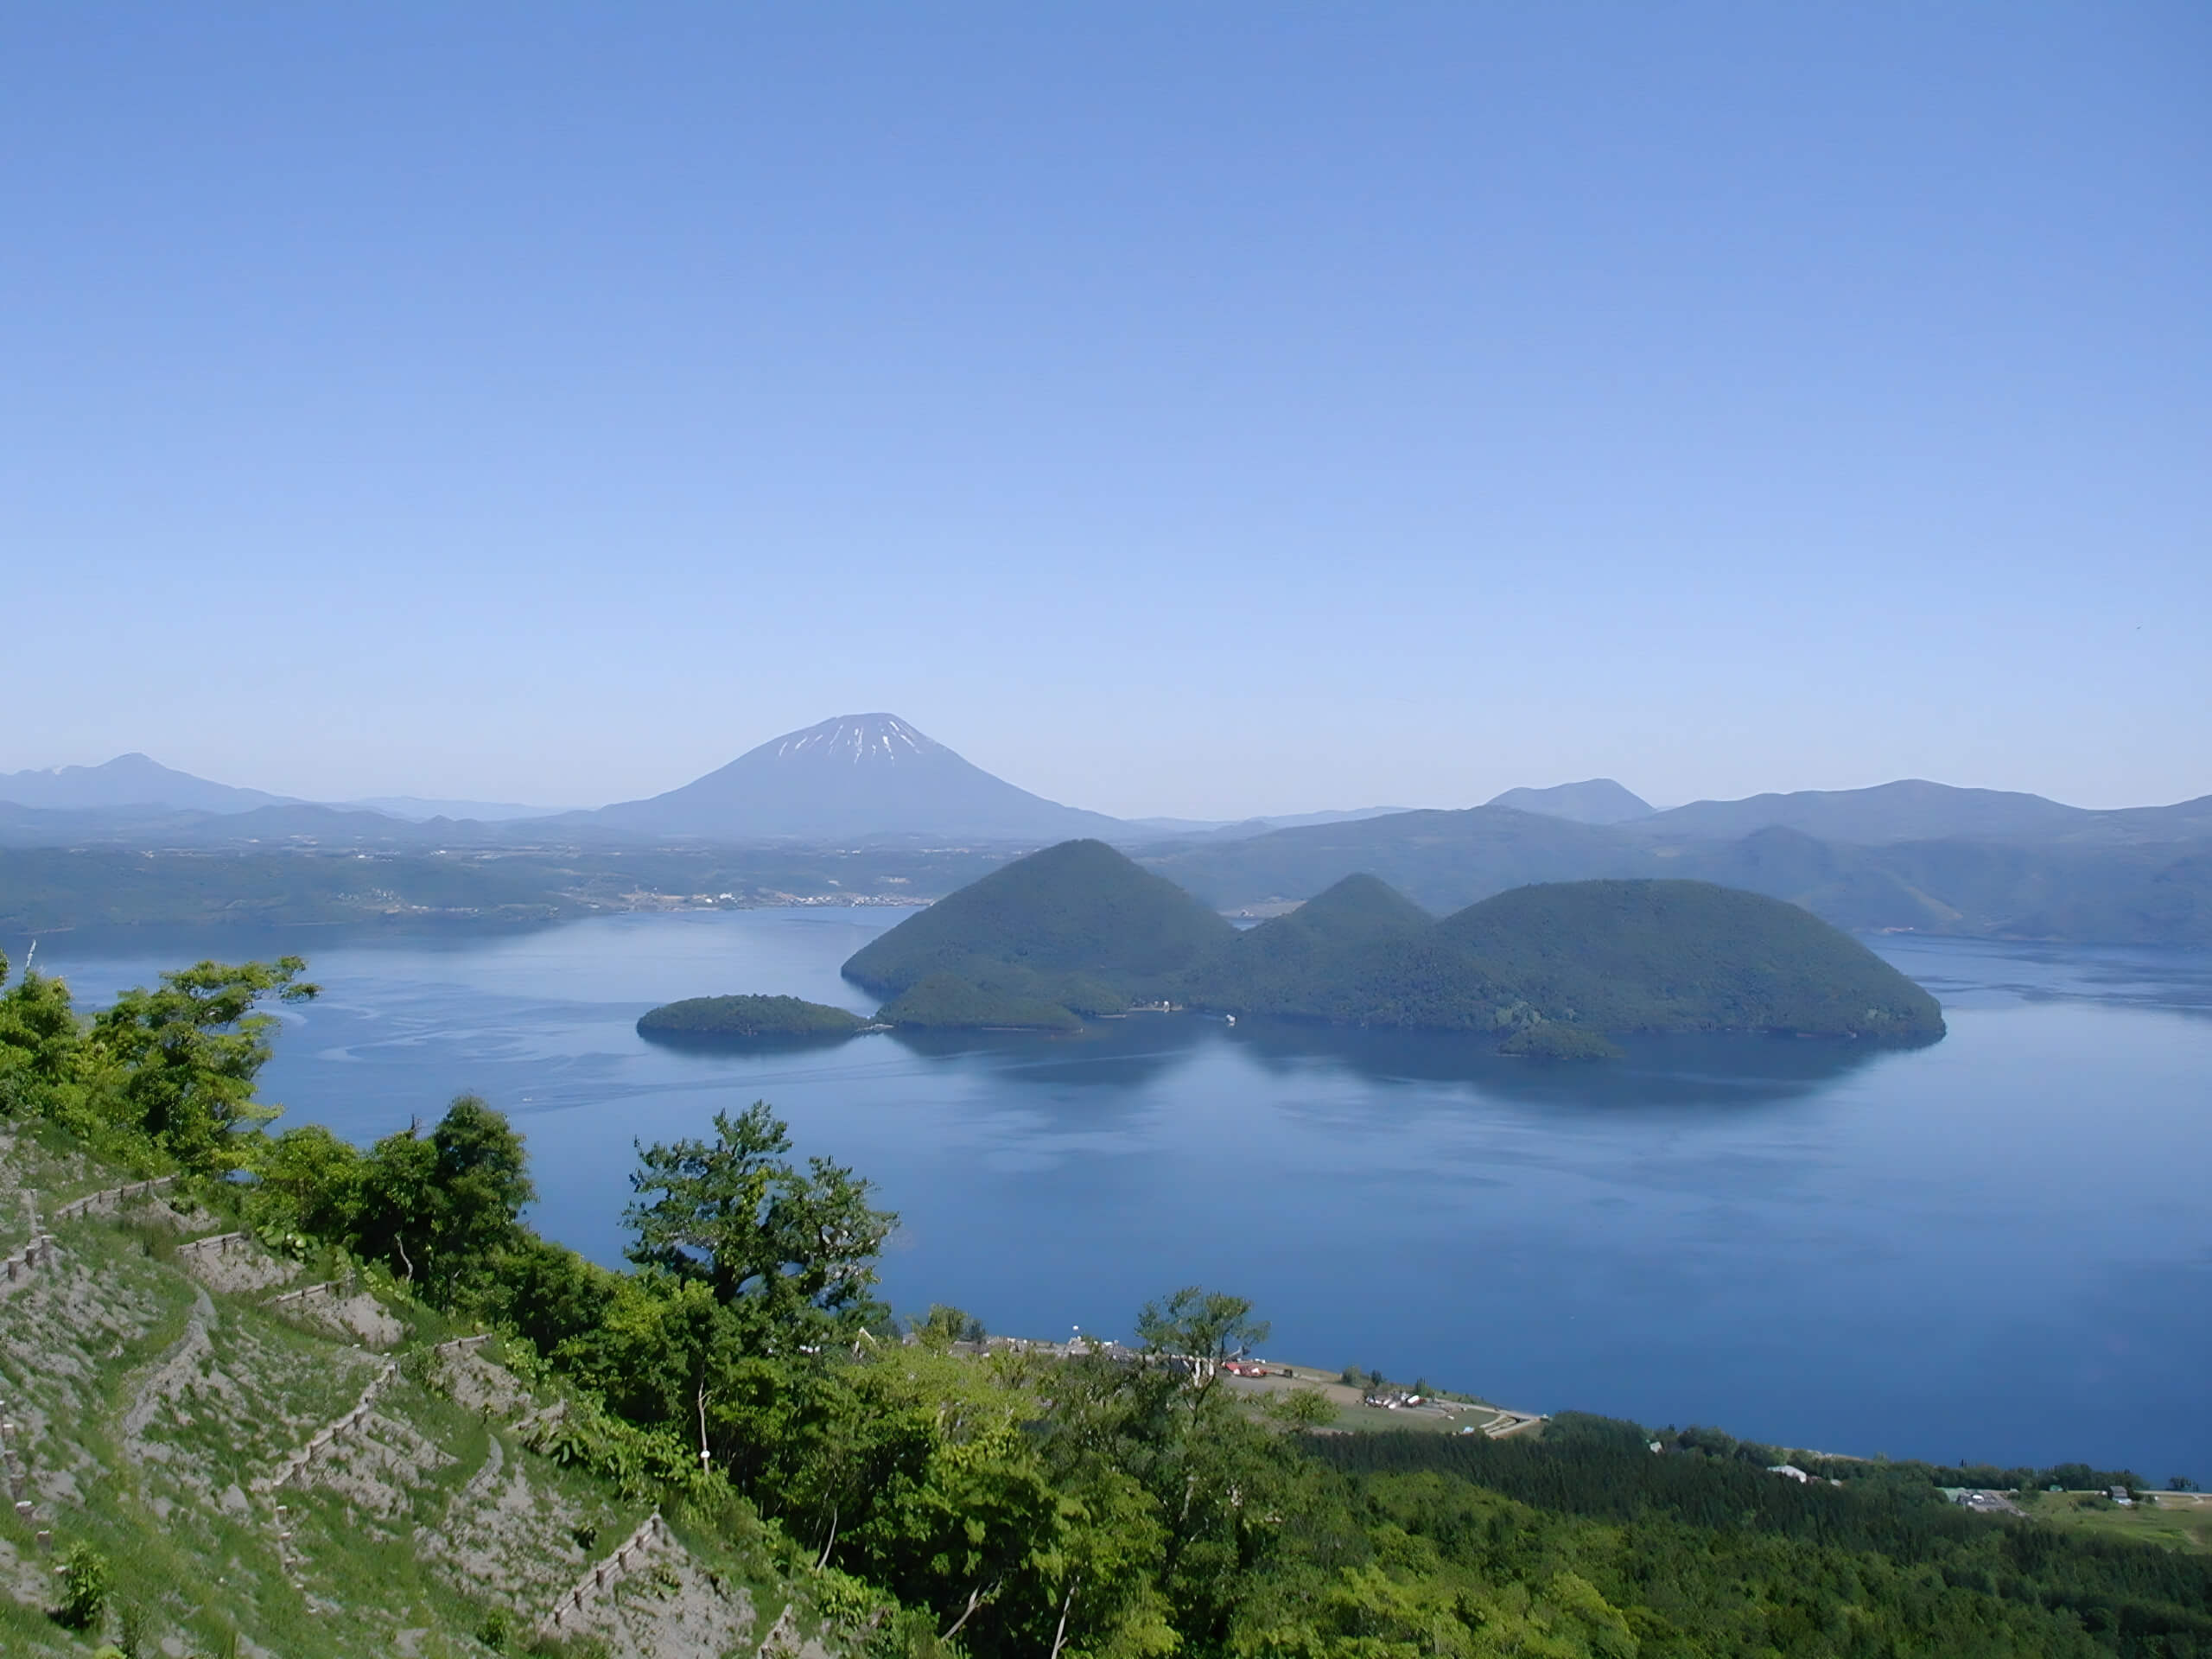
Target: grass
pixel 2180 1522
pixel 1463 1410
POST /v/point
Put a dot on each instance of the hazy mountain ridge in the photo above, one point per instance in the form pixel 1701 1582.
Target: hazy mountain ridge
pixel 1909 855
pixel 1915 809
pixel 2081 887
pixel 878 777
pixel 1595 800
pixel 129 780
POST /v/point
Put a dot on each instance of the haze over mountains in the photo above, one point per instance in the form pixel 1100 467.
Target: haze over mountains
pixel 129 780
pixel 1596 800
pixel 863 776
pixel 1906 855
pixel 856 775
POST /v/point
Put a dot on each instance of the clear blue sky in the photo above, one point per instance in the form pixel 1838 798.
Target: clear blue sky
pixel 1180 410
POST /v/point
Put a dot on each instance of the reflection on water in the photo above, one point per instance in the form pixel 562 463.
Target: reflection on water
pixel 1706 1070
pixel 1997 1247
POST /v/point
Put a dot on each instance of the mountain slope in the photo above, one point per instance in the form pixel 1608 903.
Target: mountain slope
pixel 1439 860
pixel 1079 930
pixel 1627 955
pixel 129 780
pixel 1596 800
pixel 330 1474
pixel 1077 925
pixel 1909 809
pixel 1299 965
pixel 853 776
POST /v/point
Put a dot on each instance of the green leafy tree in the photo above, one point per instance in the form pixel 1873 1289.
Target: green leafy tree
pixel 482 1181
pixel 944 1324
pixel 443 1208
pixel 397 1217
pixel 792 1251
pixel 41 1037
pixel 1298 1409
pixel 1196 1330
pixel 190 1053
pixel 1218 1485
pixel 306 1185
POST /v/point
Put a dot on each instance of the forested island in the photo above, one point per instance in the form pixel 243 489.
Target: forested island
pixel 750 1019
pixel 1079 932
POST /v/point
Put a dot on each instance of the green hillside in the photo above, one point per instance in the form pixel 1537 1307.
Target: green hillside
pixel 1688 956
pixel 1078 930
pixel 236 1449
pixel 1593 956
pixel 1078 925
pixel 1312 963
pixel 947 1001
pixel 750 1019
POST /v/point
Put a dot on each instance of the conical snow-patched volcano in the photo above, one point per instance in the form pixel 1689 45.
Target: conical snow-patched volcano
pixel 854 776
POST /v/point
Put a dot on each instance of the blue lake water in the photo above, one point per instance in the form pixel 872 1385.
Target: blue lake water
pixel 1999 1247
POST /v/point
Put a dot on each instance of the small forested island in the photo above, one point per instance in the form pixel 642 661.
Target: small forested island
pixel 1548 971
pixel 764 1019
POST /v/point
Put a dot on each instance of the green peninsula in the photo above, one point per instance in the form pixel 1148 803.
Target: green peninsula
pixel 1547 971
pixel 764 1019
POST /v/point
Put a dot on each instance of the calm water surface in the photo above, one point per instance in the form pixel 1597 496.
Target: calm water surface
pixel 1999 1247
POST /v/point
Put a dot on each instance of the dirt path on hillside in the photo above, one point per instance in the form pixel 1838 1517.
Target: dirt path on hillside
pixel 189 1364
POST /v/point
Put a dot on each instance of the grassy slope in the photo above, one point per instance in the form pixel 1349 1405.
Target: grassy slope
pixel 2176 1521
pixel 152 1405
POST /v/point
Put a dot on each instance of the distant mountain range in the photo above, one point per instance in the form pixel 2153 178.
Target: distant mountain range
pixel 417 810
pixel 129 780
pixel 1913 809
pixel 1905 854
pixel 877 776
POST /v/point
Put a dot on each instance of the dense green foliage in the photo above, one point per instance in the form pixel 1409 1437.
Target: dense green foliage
pixel 1103 1504
pixel 1078 926
pixel 1555 966
pixel 1890 1520
pixel 948 1001
pixel 747 1017
pixel 170 1069
pixel 1676 955
pixel 1301 965
pixel 1078 930
pixel 1553 1040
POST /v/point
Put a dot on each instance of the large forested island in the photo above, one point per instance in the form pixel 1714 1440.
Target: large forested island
pixel 1079 930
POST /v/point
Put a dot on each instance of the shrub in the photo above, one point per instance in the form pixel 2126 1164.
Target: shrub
pixel 84 1587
